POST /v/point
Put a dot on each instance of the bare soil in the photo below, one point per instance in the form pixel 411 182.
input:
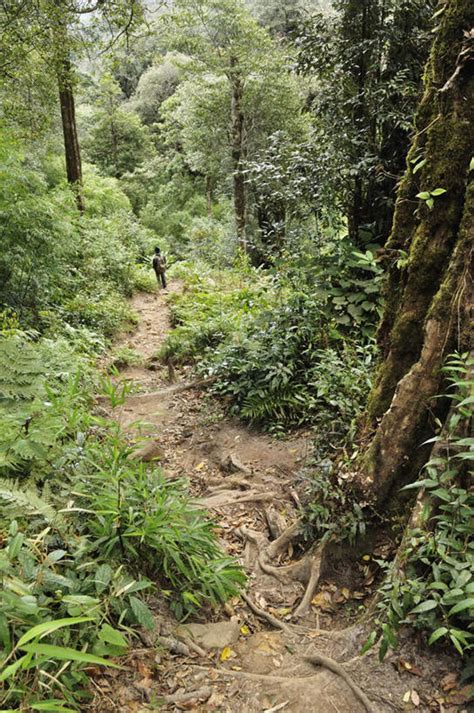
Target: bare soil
pixel 247 480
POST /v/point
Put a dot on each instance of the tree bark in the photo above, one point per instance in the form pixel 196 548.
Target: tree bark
pixel 65 77
pixel 71 140
pixel 428 300
pixel 237 115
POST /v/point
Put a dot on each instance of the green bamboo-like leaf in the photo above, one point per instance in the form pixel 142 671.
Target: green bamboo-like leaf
pixel 462 606
pixel 64 653
pixel 438 634
pixel 49 626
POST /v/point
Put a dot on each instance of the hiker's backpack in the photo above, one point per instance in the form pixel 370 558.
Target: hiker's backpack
pixel 159 263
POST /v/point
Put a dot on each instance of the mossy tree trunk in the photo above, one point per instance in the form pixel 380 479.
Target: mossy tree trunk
pixel 430 263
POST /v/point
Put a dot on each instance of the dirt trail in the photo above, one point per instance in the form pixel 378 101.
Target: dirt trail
pixel 252 656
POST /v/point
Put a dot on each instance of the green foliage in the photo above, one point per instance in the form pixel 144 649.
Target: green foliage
pixel 281 371
pixel 212 307
pixel 149 522
pixel 57 605
pixel 80 515
pixel 41 394
pixel 49 255
pixel 331 511
pixel 432 587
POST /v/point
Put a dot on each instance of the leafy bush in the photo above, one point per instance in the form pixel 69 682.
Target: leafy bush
pixel 282 371
pixel 48 254
pixel 147 521
pixel 211 308
pixel 58 613
pixel 80 512
pixel 432 587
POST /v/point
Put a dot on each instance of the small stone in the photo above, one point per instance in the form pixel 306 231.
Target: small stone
pixel 212 636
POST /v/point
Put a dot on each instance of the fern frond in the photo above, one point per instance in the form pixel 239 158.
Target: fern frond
pixel 19 500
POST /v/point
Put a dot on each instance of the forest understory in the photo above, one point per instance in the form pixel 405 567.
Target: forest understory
pixel 236 356
pixel 281 646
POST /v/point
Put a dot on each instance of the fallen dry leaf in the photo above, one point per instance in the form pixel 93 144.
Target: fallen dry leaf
pixel 415 698
pixel 227 653
pixel 449 681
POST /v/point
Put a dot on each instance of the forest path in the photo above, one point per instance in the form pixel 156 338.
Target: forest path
pixel 243 660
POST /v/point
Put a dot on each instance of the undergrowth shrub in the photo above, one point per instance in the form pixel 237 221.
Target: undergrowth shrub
pixel 79 521
pixel 431 587
pixel 212 308
pixel 150 523
pixel 50 253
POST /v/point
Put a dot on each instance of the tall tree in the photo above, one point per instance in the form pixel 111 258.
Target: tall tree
pixel 224 39
pixel 430 251
pixel 53 31
pixel 367 61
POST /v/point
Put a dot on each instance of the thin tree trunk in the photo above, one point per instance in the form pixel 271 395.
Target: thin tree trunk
pixel 237 114
pixel 209 195
pixel 71 141
pixel 65 77
pixel 426 314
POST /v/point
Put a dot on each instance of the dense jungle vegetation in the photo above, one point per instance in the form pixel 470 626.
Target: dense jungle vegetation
pixel 307 168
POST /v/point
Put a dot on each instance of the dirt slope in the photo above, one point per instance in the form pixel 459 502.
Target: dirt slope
pixel 254 655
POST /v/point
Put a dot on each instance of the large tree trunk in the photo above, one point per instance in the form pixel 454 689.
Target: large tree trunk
pixel 426 313
pixel 71 141
pixel 240 206
pixel 65 75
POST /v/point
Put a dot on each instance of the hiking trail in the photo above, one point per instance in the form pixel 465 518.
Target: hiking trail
pixel 284 645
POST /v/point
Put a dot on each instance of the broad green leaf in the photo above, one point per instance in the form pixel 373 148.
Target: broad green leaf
pixel 49 626
pixel 425 606
pixel 462 606
pixel 112 636
pixel 102 577
pixel 438 634
pixel 369 643
pixel 438 191
pixel 424 195
pixel 142 613
pixel 64 653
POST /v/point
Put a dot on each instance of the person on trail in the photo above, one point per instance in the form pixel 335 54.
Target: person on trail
pixel 159 266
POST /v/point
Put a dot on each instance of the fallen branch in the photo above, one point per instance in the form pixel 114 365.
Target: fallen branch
pixel 331 665
pixel 202 693
pixel 173 645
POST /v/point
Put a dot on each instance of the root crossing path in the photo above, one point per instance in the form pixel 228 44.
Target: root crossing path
pixel 281 646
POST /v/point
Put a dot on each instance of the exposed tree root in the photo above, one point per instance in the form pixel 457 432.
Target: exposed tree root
pixel 331 665
pixel 306 570
pixel 282 542
pixel 315 660
pixel 262 614
pixel 250 497
pixel 169 391
pixel 202 694
pixel 315 569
